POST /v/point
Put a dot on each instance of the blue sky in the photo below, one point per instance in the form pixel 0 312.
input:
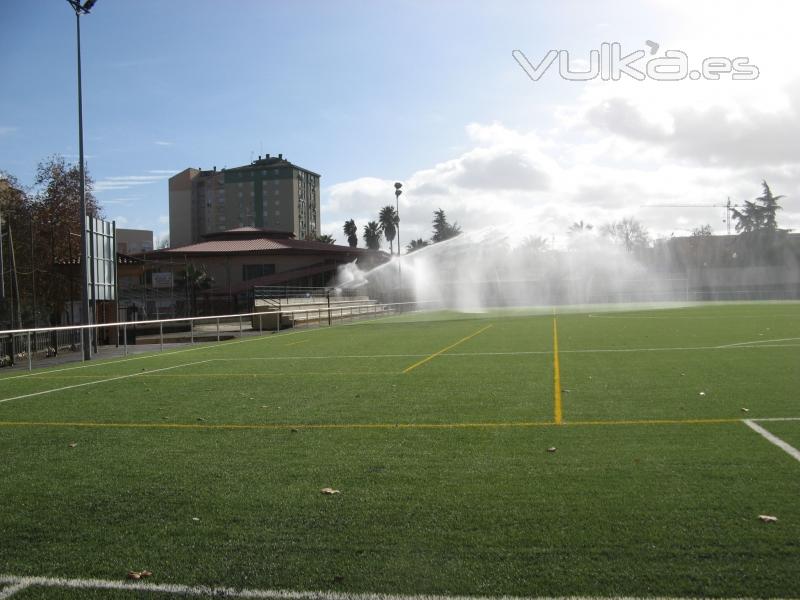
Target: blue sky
pixel 367 93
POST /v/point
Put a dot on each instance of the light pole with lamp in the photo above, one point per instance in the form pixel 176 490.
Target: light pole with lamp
pixel 397 192
pixel 85 320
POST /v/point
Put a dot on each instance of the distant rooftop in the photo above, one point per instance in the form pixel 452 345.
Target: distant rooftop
pixel 262 162
pixel 254 240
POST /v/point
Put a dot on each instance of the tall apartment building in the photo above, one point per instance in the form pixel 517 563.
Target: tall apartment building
pixel 270 193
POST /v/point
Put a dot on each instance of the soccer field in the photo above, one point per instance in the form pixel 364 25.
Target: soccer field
pixel 587 453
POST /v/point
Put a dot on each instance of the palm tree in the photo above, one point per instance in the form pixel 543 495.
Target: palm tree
pixel 579 227
pixel 325 239
pixel 351 231
pixel 416 245
pixel 372 235
pixel 388 220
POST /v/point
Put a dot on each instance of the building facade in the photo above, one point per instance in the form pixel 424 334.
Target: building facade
pixel 134 241
pixel 235 262
pixel 270 193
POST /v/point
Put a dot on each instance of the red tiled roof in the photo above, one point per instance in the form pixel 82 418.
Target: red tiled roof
pixel 232 246
pixel 262 245
pixel 253 240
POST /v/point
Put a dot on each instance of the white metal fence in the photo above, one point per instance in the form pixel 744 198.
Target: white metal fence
pixel 24 348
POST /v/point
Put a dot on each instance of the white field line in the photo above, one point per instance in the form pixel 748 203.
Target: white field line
pixel 773 439
pixel 215 345
pixel 221 592
pixel 767 419
pixel 791 339
pixel 323 357
pixel 198 346
pixel 13 589
pixel 77 385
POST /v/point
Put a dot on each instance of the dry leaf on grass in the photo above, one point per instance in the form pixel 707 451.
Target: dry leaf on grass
pixel 745 410
pixel 552 449
pixel 138 574
pixel 330 491
pixel 768 518
pixel 73 444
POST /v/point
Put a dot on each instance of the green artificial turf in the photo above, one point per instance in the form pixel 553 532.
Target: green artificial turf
pixel 447 485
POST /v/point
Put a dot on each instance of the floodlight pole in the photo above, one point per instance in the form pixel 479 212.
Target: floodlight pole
pixel 397 192
pixel 84 260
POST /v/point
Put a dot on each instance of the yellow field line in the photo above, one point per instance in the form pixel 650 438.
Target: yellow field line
pixel 282 426
pixel 443 350
pixel 557 416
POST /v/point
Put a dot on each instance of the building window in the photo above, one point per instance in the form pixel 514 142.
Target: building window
pixel 253 271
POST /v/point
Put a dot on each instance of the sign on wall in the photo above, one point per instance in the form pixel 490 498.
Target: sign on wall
pixel 162 280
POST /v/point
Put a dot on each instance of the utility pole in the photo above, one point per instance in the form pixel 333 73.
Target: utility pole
pixel 2 263
pixel 728 206
pixel 33 274
pixel 14 280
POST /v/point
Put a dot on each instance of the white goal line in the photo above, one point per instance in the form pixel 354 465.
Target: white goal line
pixel 19 583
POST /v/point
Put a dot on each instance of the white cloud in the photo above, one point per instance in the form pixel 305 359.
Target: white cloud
pixel 615 149
pixel 127 182
pixel 514 177
pixel 7 130
pixel 163 143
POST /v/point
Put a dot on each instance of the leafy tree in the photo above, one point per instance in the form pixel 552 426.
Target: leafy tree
pixel 351 231
pixel 629 233
pixel 163 243
pixel 758 215
pixel 56 218
pixel 416 245
pixel 702 231
pixel 12 197
pixel 442 230
pixel 769 208
pixel 46 228
pixel 325 239
pixel 196 279
pixel 372 235
pixel 749 218
pixel 388 220
pixel 15 211
pixel 579 227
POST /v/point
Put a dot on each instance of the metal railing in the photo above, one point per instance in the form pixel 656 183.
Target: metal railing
pixel 261 292
pixel 21 348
